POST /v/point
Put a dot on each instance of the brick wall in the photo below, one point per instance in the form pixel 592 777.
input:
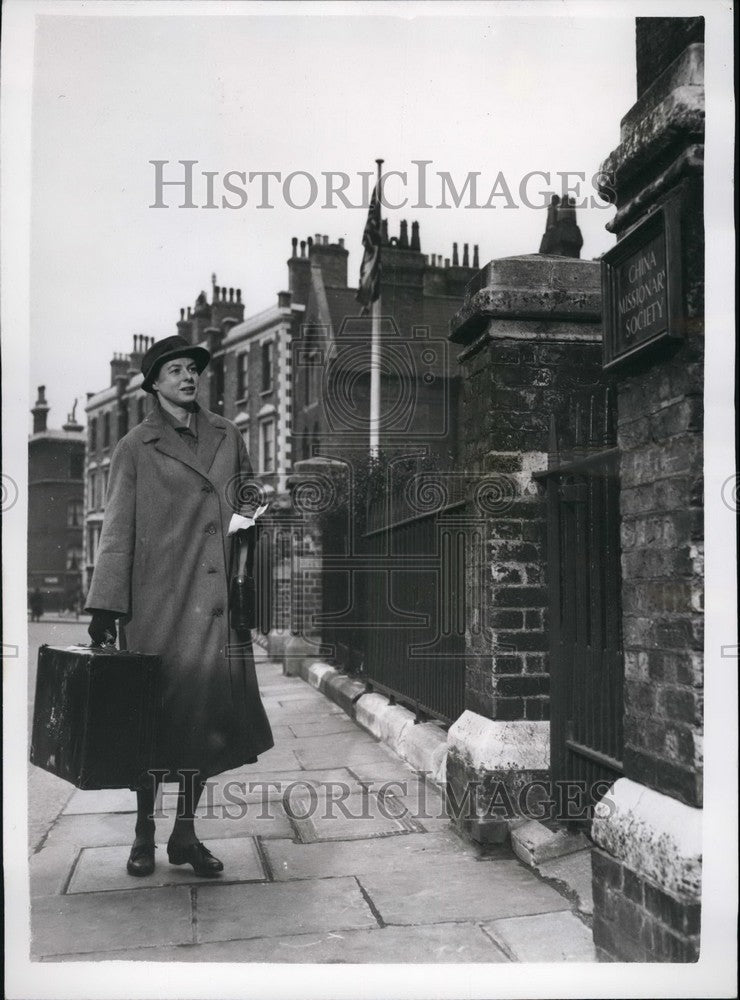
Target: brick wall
pixel 660 438
pixel 636 921
pixel 510 388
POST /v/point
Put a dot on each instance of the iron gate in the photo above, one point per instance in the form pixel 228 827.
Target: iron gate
pixel 584 585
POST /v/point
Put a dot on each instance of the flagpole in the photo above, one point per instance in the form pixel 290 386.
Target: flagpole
pixel 375 358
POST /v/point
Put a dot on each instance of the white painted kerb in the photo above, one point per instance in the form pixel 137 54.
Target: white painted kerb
pixel 491 745
pixel 652 834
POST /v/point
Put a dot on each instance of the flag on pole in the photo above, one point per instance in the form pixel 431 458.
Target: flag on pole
pixel 369 287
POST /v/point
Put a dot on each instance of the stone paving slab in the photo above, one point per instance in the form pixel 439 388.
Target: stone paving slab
pixel 322 727
pixel 102 869
pixel 356 817
pixel 302 713
pixel 459 890
pixel 279 758
pixel 350 753
pixel 49 869
pixel 271 787
pixel 278 909
pixel 574 871
pixel 545 937
pixel 114 829
pixel 393 769
pixel 106 800
pixel 290 860
pixel 63 925
pixel 240 820
pixel 450 942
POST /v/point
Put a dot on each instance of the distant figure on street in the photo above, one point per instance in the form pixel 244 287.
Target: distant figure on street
pixel 36 604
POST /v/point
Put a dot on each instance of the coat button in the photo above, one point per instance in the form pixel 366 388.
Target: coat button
pixel 211 529
pixel 217 612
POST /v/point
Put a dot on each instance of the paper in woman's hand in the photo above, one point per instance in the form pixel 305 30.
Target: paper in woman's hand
pixel 240 523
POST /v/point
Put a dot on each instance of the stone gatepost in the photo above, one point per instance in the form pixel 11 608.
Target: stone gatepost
pixel 647 871
pixel 530 336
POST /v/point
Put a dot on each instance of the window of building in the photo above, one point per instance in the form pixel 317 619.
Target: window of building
pixel 93 434
pixel 106 430
pixel 241 375
pixel 74 557
pixel 75 510
pixel 77 464
pixel 140 409
pixel 92 491
pixel 217 385
pixel 104 492
pixel 267 366
pixel 93 537
pixel 267 446
pixel 123 421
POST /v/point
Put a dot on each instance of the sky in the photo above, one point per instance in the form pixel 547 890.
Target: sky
pixel 499 95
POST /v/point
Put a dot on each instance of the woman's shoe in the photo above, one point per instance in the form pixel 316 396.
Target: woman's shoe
pixel 197 855
pixel 141 859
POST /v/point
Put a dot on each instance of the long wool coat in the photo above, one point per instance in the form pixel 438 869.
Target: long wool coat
pixel 163 563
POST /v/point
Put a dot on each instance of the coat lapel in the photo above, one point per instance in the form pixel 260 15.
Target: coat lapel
pixel 211 434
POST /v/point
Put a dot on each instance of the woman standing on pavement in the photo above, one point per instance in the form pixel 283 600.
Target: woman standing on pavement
pixel 162 570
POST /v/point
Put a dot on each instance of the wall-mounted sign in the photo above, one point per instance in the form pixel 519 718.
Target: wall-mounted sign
pixel 641 285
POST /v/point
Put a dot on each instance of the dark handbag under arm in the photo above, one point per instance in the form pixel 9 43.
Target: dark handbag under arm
pixel 243 595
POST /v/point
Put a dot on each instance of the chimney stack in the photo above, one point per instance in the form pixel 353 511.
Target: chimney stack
pixel 455 258
pixel 466 260
pixel 40 412
pixel 415 242
pixel 403 239
pixel 476 263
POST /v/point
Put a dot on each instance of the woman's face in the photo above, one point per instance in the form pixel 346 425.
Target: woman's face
pixel 177 381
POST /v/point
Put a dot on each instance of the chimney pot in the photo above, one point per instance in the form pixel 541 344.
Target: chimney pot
pixel 341 241
pixel 447 261
pixel 294 244
pixel 475 257
pixel 231 295
pixel 466 260
pixel 415 244
pixel 238 295
pixel 455 257
pixel 303 248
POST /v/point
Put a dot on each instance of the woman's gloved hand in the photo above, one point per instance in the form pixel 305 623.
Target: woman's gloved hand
pixel 102 628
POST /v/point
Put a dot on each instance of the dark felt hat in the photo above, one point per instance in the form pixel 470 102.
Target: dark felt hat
pixel 166 350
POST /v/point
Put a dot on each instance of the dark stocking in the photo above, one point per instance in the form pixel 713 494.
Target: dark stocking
pixel 145 796
pixel 191 789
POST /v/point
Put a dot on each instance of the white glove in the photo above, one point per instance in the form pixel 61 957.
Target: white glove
pixel 239 523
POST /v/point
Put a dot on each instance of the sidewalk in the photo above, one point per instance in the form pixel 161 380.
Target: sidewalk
pixel 334 851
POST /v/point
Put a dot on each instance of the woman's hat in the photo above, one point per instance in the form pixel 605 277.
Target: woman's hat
pixel 166 350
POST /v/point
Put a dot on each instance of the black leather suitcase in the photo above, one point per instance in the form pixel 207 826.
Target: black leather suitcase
pixel 94 716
